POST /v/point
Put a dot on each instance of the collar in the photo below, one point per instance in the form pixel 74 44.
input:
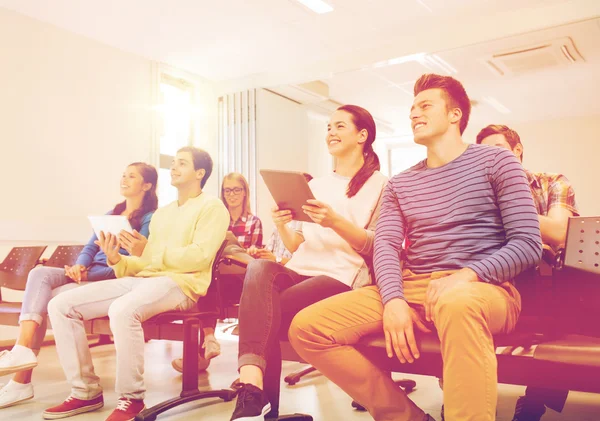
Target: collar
pixel 532 179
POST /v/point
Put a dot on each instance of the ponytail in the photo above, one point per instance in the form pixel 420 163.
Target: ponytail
pixel 370 165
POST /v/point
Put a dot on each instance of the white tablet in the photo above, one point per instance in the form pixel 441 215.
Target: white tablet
pixel 113 224
pixel 290 190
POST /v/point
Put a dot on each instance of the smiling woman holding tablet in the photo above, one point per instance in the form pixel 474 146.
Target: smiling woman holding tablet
pixel 330 253
pixel 138 186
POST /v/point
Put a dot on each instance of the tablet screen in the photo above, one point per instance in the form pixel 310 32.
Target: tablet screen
pixel 113 224
pixel 290 190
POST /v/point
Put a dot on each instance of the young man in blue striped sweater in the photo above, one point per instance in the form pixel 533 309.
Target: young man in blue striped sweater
pixel 468 214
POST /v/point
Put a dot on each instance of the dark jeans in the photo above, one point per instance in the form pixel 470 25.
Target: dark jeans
pixel 271 297
pixel 231 290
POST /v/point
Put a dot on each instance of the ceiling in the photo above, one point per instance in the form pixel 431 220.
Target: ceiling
pixel 229 39
pixel 265 43
pixel 568 90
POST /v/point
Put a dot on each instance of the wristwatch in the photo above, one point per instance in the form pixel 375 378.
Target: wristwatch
pixel 278 259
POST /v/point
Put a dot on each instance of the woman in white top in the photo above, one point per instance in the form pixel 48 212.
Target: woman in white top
pixel 329 257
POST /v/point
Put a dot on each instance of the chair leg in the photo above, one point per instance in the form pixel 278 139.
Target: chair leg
pixel 292 417
pixel 295 377
pixel 102 340
pixel 189 382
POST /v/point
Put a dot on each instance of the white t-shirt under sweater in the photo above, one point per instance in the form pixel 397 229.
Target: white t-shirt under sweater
pixel 323 251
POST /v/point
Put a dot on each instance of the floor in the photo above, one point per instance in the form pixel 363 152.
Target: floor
pixel 313 395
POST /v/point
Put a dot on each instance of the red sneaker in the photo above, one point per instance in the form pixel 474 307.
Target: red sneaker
pixel 127 409
pixel 73 406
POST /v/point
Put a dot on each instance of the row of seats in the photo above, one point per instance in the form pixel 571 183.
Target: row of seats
pixel 539 354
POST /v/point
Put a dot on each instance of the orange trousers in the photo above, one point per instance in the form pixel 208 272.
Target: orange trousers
pixel 466 317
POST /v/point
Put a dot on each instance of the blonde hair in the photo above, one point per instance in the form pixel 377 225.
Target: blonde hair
pixel 236 176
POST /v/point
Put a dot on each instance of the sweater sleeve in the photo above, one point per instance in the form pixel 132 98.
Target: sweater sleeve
pixel 389 235
pixel 145 226
pixel 209 233
pixel 523 246
pixel 86 256
pixel 100 273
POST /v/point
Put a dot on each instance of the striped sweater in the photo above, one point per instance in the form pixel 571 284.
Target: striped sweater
pixel 476 212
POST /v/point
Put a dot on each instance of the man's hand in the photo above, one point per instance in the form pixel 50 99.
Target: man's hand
pixel 77 273
pixel 133 243
pixel 398 319
pixel 110 246
pixel 321 213
pixel 437 287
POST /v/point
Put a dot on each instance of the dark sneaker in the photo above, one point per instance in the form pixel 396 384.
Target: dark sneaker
pixel 73 406
pixel 127 409
pixel 528 409
pixel 252 404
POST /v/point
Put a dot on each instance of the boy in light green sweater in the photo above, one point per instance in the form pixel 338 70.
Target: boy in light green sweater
pixel 171 274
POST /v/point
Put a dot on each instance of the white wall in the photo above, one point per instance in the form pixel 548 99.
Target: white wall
pixel 289 137
pixel 74 113
pixel 570 147
pixel 281 131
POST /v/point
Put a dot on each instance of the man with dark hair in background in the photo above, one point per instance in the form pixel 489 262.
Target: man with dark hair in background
pixel 554 199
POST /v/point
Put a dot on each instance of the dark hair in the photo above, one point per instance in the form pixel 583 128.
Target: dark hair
pixel 509 134
pixel 363 119
pixel 202 160
pixel 150 201
pixel 454 93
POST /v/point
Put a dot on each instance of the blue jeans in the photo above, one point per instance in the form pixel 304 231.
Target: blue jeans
pixel 38 292
pixel 271 297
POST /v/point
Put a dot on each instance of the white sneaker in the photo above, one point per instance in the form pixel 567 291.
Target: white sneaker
pixel 211 346
pixel 14 392
pixel 18 359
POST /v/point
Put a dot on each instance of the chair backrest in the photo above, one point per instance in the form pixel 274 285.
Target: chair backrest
pixel 64 256
pixel 16 266
pixel 582 248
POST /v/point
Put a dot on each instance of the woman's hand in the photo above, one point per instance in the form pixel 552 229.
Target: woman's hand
pixel 260 253
pixel 110 246
pixel 321 213
pixel 265 254
pixel 78 273
pixel 281 217
pixel 134 243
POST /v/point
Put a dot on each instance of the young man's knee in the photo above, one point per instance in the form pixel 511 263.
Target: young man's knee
pixel 458 302
pixel 119 313
pixel 59 306
pixel 301 326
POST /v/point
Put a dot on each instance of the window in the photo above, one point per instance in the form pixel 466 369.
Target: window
pixel 177 131
pixel 403 156
pixel 237 138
